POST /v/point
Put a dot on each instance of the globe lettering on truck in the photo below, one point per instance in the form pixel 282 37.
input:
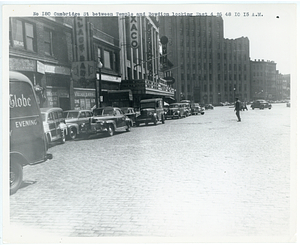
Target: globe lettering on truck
pixel 15 101
pixel 27 138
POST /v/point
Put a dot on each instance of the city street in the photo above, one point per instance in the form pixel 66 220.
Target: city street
pixel 201 176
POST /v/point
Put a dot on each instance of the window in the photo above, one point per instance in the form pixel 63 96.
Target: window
pixel 29 36
pixel 48 42
pixel 17 34
pixel 23 35
pixel 107 59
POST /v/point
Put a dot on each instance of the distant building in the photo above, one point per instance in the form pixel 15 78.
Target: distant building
pixel 263 82
pixel 282 86
pixel 210 69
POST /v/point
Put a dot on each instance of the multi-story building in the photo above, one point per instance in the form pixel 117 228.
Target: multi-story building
pixel 141 53
pixel 210 69
pixel 41 48
pixel 263 82
pixel 282 86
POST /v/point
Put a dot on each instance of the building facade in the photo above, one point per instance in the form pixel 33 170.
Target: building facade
pixel 78 63
pixel 263 82
pixel 141 52
pixel 41 48
pixel 210 69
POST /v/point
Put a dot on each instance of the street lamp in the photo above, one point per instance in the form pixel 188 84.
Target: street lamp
pixel 234 93
pixel 98 87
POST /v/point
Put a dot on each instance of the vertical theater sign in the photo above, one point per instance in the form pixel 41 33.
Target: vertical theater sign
pixel 83 67
pixel 134 32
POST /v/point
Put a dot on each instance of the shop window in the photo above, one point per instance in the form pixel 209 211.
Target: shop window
pixel 23 35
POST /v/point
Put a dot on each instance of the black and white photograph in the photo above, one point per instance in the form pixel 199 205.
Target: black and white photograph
pixel 149 123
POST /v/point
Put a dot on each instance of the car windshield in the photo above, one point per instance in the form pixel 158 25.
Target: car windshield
pixel 148 105
pixel 71 114
pixel 103 112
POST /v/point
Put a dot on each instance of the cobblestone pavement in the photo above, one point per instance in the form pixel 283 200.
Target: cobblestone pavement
pixel 205 175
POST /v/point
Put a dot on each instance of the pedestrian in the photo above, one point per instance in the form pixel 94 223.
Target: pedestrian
pixel 237 108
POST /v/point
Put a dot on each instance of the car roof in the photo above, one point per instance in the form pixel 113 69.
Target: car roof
pixel 17 76
pixel 151 100
pixel 50 109
pixel 77 110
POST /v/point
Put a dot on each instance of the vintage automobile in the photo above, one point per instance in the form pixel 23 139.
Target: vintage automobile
pixel 28 144
pixel 187 109
pixel 54 124
pixel 106 120
pixel 208 107
pixel 261 104
pixel 176 110
pixel 196 109
pixel 74 119
pixel 152 111
pixel 130 113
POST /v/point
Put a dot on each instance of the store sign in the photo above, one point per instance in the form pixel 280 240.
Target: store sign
pixel 83 69
pixel 40 67
pixel 134 32
pixel 22 65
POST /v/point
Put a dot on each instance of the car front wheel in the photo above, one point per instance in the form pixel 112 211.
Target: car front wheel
pixel 72 133
pixel 128 129
pixel 110 131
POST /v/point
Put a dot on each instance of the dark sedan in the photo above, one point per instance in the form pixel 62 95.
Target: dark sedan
pixel 106 120
pixel 261 104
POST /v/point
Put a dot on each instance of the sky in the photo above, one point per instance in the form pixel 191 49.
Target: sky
pixel 271 36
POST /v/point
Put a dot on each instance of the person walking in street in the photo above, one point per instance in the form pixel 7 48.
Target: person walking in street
pixel 237 108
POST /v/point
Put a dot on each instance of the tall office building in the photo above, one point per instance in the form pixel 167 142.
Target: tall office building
pixel 207 67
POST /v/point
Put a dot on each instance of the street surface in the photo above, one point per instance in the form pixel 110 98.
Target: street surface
pixel 201 176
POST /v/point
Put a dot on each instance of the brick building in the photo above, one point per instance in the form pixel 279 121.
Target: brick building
pixel 263 81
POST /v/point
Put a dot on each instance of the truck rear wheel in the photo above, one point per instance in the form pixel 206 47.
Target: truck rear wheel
pixel 16 176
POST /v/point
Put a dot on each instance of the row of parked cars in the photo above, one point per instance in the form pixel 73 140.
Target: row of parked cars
pixel 60 125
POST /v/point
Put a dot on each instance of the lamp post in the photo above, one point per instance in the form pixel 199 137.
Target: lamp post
pixel 234 93
pixel 98 84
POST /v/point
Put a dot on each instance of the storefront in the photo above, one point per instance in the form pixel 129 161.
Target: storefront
pixel 84 98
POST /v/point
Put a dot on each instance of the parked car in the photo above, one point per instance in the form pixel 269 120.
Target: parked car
pixel 152 111
pixel 176 110
pixel 106 120
pixel 208 107
pixel 130 113
pixel 28 144
pixel 196 109
pixel 54 124
pixel 261 104
pixel 74 119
